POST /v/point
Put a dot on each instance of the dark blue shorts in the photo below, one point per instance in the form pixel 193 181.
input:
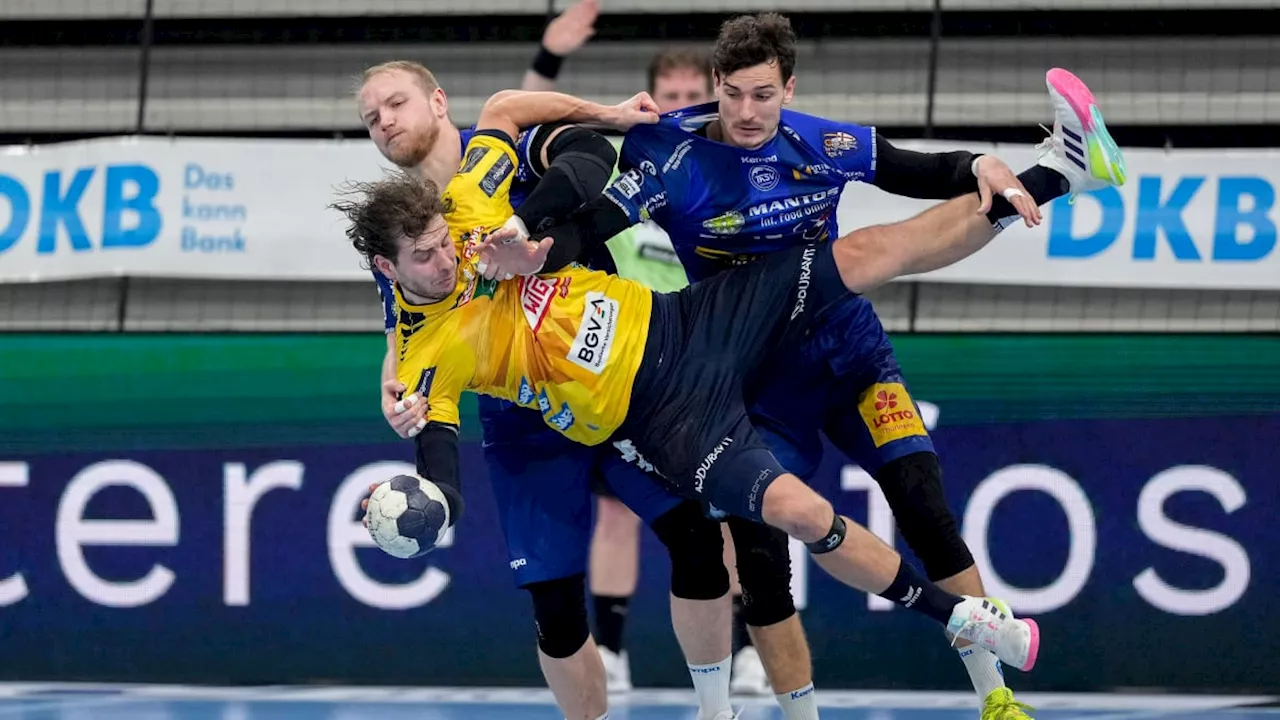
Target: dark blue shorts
pixel 688 414
pixel 843 381
pixel 542 485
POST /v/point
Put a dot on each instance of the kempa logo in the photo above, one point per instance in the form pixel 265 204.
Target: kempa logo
pixel 802 287
pixel 700 475
pixel 913 594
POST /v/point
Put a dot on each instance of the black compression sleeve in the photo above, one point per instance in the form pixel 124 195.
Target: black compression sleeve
pixel 929 176
pixel 580 163
pixel 437 461
pixel 587 229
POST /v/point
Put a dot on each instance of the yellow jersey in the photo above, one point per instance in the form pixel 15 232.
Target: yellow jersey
pixel 567 343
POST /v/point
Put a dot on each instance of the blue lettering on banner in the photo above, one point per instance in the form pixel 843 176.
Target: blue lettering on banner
pixel 1154 215
pixel 1243 227
pixel 211 227
pixel 1230 216
pixel 129 219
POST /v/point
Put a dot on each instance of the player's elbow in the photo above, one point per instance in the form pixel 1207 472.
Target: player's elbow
pixel 497 112
pixel 495 100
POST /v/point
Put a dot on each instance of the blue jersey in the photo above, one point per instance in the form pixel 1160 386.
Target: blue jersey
pixel 724 205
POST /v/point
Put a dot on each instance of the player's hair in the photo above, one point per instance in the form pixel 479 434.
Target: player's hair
pixel 673 59
pixel 749 40
pixel 417 71
pixel 399 205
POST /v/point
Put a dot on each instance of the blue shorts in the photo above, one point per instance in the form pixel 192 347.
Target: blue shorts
pixel 542 484
pixel 843 381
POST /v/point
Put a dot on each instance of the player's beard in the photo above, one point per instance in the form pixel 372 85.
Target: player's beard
pixel 426 296
pixel 413 148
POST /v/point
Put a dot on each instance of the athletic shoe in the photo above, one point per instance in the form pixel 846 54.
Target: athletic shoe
pixel 982 622
pixel 1000 705
pixel 1079 146
pixel 617 670
pixel 748 676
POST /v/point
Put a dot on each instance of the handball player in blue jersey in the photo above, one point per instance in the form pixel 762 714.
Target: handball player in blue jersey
pixel 742 178
pixel 541 480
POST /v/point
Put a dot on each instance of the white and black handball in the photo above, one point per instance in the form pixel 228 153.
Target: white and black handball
pixel 407 516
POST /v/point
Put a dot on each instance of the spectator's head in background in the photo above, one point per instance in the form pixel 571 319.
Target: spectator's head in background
pixel 680 77
pixel 753 62
pixel 403 107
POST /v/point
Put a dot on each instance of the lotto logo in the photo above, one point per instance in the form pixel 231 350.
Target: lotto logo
pixel 889 413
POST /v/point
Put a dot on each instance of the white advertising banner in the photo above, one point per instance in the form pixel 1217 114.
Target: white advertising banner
pixel 207 208
pixel 1189 219
pixel 257 209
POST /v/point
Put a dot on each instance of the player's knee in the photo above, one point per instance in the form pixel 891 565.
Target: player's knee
pixel 797 510
pixel 560 613
pixel 585 157
pixel 912 485
pixel 764 572
pixel 696 548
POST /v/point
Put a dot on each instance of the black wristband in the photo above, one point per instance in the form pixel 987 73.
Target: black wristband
pixel 546 63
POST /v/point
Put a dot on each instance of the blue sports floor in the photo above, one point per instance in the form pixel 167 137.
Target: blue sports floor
pixel 100 702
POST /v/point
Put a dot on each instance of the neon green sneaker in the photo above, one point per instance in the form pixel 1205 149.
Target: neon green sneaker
pixel 1000 705
pixel 1079 146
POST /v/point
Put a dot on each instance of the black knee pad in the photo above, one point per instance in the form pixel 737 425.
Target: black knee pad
pixel 913 486
pixel 585 157
pixel 697 552
pixel 764 571
pixel 560 614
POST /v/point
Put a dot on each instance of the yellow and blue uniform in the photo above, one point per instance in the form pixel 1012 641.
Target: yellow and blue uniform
pixel 567 344
pixel 540 477
pixel 605 358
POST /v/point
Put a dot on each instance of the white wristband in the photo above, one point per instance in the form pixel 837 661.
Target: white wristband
pixel 515 223
pixel 973 167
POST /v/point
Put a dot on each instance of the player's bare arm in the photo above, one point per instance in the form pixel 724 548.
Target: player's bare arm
pixel 405 413
pixel 510 110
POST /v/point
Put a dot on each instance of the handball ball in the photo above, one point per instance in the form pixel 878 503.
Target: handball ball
pixel 407 516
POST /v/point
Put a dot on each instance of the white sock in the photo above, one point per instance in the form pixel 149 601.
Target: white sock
pixel 984 670
pixel 799 704
pixel 605 716
pixel 712 685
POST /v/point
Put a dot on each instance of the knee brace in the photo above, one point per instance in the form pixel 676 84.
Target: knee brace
pixel 912 485
pixel 697 552
pixel 560 614
pixel 764 571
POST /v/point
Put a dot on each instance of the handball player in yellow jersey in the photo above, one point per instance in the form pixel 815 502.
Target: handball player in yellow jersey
pixel 606 360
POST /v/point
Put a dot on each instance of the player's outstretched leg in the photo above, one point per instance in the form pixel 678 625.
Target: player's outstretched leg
pixel 1079 156
pixel 859 559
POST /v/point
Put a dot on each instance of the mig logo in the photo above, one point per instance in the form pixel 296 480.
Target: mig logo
pixel 889 414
